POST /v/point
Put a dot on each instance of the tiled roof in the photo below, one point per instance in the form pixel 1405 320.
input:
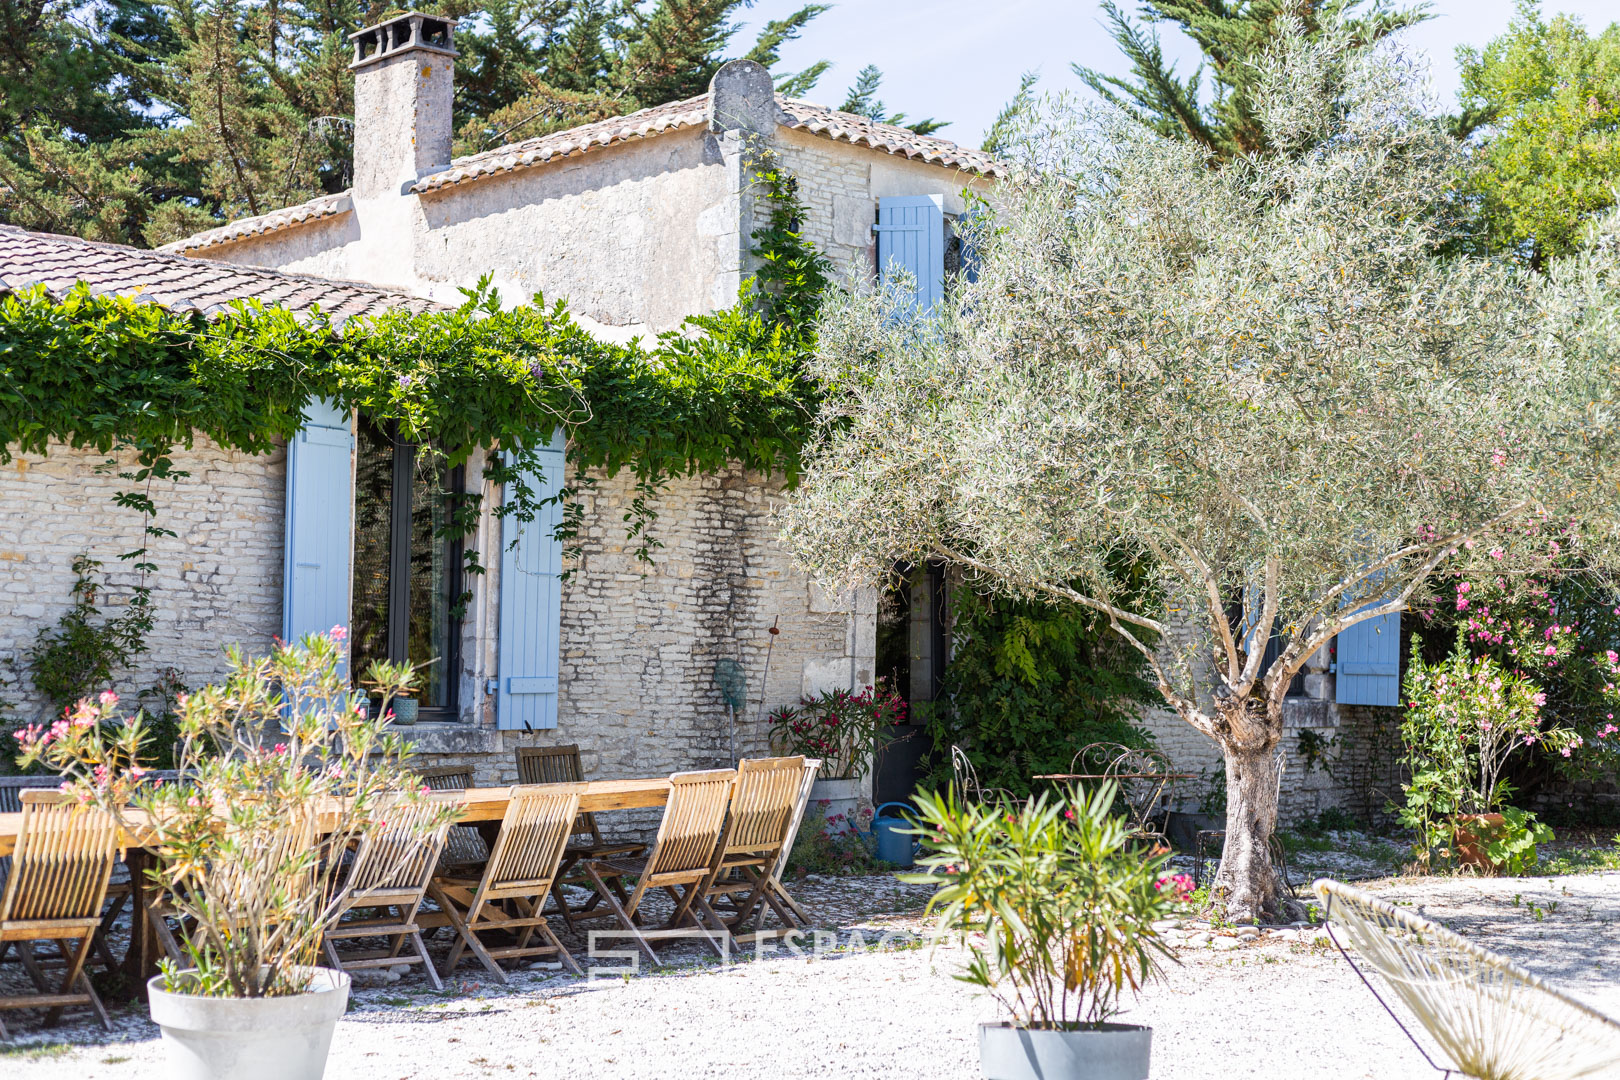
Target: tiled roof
pixel 850 128
pixel 324 207
pixel 179 283
pixel 694 112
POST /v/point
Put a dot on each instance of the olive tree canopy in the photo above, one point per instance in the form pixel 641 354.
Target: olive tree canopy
pixel 1266 383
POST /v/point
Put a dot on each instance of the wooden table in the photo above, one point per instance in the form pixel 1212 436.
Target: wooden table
pixel 485 807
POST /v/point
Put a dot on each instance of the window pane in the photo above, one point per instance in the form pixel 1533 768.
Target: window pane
pixel 434 580
pixel 373 506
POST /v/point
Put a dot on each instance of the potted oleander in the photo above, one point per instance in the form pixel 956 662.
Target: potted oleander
pixel 841 727
pixel 1057 911
pixel 282 770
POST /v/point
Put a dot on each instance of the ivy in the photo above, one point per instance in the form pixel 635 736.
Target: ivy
pixel 113 373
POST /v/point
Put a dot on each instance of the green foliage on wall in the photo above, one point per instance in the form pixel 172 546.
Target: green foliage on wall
pixel 108 372
pixel 1028 686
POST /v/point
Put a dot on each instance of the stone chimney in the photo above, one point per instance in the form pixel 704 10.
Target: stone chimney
pixel 403 83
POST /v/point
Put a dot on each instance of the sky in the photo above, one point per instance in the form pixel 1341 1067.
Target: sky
pixel 959 60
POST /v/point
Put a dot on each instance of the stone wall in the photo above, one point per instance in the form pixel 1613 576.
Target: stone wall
pixel 217 582
pixel 840 184
pixel 640 641
pixel 635 236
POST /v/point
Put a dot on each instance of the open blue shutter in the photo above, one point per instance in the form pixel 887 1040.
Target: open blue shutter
pixel 320 536
pixel 531 606
pixel 1368 669
pixel 911 237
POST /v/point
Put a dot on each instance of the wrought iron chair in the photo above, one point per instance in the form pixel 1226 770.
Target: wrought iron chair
pixel 1491 1018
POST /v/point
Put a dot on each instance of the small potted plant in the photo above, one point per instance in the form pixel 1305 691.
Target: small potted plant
pixel 406 708
pixel 841 728
pixel 282 770
pixel 1057 911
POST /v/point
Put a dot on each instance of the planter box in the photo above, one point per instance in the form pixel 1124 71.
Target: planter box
pixel 837 799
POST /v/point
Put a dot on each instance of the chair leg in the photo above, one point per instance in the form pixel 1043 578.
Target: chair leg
pixel 160 928
pixel 563 954
pixel 25 952
pixel 427 964
pixel 466 938
pixel 95 1001
pixel 705 910
pixel 75 969
pixel 626 920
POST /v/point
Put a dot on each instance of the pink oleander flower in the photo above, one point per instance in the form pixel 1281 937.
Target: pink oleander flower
pixel 1550 650
pixel 338 633
pixel 108 698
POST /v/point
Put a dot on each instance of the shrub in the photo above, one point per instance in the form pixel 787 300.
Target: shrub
pixel 280 744
pixel 1065 905
pixel 838 726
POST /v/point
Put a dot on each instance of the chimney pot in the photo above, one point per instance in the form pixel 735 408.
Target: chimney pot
pixel 403 86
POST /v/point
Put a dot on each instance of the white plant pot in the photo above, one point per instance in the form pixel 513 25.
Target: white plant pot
pixel 281 1038
pixel 835 799
pixel 1105 1052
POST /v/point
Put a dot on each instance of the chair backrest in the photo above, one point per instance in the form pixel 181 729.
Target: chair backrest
pixel 63 859
pixel 399 851
pixel 556 765
pixel 1491 1017
pixel 12 787
pixel 693 818
pixel 806 783
pixel 447 777
pixel 762 802
pixel 534 833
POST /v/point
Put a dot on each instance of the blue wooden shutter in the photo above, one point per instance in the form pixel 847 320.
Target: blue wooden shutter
pixel 911 237
pixel 319 530
pixel 1368 669
pixel 531 605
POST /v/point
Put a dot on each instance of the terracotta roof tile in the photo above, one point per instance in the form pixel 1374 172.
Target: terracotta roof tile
pixel 694 112
pixel 314 210
pixel 179 283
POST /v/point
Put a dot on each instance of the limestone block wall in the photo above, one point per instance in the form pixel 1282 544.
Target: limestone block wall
pixel 217 582
pixel 840 184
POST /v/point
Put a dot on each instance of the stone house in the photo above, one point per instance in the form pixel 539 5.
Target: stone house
pixel 637 222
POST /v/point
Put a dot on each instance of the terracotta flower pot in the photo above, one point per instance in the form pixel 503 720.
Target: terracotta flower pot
pixel 1469 835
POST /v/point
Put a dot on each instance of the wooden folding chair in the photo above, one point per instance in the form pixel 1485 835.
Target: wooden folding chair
pixel 806 783
pixel 680 863
pixel 464 845
pixel 390 873
pixel 561 765
pixel 58 882
pixel 510 897
pixel 757 823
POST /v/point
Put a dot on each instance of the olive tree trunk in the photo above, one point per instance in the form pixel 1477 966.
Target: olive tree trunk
pixel 1247 881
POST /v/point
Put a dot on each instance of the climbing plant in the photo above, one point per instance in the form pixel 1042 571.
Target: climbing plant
pixel 113 373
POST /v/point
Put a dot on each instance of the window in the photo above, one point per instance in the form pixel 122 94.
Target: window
pixel 407 569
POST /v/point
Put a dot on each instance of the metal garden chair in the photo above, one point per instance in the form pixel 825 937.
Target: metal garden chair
pixel 1491 1018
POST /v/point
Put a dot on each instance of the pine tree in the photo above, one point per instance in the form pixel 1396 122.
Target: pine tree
pixel 1233 35
pixel 862 100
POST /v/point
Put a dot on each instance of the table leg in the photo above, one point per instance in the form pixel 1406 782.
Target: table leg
pixel 140 962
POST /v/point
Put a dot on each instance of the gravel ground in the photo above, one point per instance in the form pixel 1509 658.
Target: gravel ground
pixel 1282 1004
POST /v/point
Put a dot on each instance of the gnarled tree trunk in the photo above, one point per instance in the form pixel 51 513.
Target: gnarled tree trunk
pixel 1247 882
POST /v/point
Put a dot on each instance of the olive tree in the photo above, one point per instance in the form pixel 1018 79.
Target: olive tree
pixel 1268 384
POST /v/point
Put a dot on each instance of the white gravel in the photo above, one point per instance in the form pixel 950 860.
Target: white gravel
pixel 1280 1005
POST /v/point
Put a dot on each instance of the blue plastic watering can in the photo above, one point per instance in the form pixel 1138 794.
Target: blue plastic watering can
pixel 893 844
